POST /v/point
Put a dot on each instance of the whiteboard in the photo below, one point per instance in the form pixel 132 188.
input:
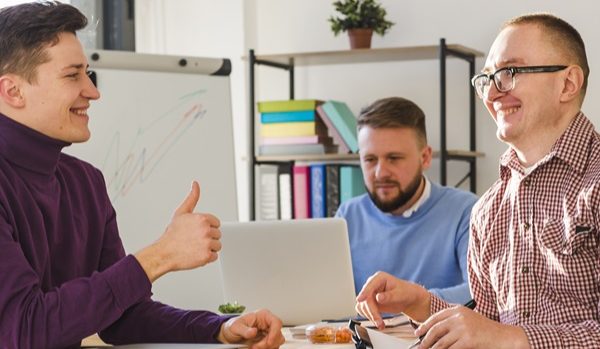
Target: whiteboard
pixel 154 129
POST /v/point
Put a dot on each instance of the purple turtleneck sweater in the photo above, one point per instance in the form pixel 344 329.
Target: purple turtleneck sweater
pixel 63 270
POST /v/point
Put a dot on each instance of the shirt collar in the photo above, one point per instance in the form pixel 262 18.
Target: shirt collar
pixel 27 148
pixel 424 196
pixel 571 147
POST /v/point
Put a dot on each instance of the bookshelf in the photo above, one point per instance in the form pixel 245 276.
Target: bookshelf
pixel 440 52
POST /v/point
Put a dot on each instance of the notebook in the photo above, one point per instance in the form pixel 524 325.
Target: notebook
pixel 298 269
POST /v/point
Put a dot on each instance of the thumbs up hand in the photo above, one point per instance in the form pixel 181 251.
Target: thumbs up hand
pixel 191 240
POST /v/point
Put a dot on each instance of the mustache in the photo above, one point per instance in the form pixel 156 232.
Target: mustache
pixel 386 182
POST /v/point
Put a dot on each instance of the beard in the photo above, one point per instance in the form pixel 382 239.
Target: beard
pixel 401 199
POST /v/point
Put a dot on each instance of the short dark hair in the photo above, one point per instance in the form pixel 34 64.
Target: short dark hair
pixel 563 34
pixel 26 31
pixel 394 112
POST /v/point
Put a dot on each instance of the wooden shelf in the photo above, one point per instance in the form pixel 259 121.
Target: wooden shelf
pixel 463 154
pixel 392 54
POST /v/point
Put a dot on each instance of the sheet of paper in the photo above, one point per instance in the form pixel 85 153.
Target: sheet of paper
pixel 381 340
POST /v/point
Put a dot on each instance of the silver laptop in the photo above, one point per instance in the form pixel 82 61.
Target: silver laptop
pixel 299 269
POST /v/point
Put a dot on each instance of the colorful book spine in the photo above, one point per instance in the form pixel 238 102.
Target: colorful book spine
pixel 289 116
pixel 333 132
pixel 317 189
pixel 285 194
pixel 315 139
pixel 295 149
pixel 266 184
pixel 301 192
pixel 290 129
pixel 288 105
pixel 344 121
pixel 351 182
pixel 332 180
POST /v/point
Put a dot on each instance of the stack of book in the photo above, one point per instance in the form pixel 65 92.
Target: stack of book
pixel 291 127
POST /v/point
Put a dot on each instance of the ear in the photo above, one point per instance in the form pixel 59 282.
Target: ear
pixel 572 83
pixel 10 91
pixel 426 155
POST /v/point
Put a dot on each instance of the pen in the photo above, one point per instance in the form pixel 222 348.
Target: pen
pixel 470 304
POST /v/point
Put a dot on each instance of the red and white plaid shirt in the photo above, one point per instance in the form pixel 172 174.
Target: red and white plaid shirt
pixel 534 257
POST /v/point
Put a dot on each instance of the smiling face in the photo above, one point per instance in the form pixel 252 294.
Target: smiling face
pixel 55 103
pixel 532 108
pixel 393 161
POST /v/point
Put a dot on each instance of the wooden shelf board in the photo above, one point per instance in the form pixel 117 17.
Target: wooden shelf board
pixel 408 53
pixel 345 157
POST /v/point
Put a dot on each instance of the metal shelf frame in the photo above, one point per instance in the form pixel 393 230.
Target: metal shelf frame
pixel 442 52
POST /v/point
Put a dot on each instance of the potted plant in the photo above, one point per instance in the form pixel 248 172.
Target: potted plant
pixel 360 18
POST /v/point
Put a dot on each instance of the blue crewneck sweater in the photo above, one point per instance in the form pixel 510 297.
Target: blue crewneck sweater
pixel 63 270
pixel 428 248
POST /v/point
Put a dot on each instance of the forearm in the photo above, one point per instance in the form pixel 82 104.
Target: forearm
pixel 64 315
pixel 582 335
pixel 154 322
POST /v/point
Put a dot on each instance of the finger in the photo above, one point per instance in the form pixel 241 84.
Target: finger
pixel 439 336
pixel 374 314
pixel 215 245
pixel 189 203
pixel 274 338
pixel 211 219
pixel 435 319
pixel 215 233
pixel 212 256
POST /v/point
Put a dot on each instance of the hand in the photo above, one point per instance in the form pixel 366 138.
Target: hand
pixel 191 240
pixel 460 327
pixel 385 293
pixel 259 329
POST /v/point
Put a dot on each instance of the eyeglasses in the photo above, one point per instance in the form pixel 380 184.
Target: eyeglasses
pixel 504 78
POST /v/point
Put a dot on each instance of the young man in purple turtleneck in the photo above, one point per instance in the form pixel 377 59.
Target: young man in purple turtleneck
pixel 64 274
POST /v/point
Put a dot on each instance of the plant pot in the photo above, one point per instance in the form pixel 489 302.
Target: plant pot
pixel 360 37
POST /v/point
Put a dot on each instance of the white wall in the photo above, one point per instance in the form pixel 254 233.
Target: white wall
pixel 227 28
pixel 301 25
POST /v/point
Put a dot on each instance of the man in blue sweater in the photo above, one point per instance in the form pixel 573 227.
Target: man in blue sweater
pixel 64 274
pixel 406 225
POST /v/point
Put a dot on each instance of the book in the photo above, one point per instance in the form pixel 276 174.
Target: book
pixel 285 193
pixel 332 188
pixel 295 149
pixel 287 116
pixel 317 191
pixel 314 139
pixel 351 182
pixel 288 105
pixel 293 129
pixel 344 121
pixel 333 132
pixel 301 192
pixel 266 184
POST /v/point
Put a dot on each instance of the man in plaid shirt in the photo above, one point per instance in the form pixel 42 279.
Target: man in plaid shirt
pixel 533 254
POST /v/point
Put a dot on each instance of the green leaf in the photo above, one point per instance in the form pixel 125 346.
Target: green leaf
pixel 359 14
pixel 231 308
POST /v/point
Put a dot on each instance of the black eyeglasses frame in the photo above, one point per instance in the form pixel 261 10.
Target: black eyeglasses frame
pixel 515 70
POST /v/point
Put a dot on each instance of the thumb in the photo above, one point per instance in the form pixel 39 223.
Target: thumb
pixel 188 205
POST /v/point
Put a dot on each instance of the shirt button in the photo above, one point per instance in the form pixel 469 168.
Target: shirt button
pixel 526 314
pixel 526 226
pixel 525 270
pixel 526 182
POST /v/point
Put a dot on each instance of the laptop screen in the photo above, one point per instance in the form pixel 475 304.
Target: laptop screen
pixel 298 269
